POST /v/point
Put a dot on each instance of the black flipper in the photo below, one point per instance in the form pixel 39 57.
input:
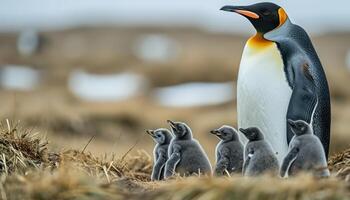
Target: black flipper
pixel 303 102
pixel 288 160
pixel 159 165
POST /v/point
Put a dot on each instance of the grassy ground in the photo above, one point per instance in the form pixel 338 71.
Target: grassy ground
pixel 202 56
pixel 30 170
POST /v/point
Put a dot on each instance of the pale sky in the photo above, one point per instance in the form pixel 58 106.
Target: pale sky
pixel 314 15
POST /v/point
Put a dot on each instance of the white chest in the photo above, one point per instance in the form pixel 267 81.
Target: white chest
pixel 263 95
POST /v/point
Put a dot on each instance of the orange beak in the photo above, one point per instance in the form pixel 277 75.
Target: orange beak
pixel 247 13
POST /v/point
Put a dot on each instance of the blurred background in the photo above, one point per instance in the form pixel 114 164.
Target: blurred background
pixel 110 69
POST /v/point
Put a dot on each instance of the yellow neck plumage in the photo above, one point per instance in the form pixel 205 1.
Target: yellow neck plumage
pixel 258 42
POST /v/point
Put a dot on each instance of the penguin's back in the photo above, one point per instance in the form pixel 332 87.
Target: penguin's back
pixel 294 35
pixel 321 118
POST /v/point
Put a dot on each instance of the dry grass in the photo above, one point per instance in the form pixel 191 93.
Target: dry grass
pixel 303 187
pixel 340 164
pixel 20 149
pixel 23 150
pixel 30 171
pixel 136 167
pixel 66 183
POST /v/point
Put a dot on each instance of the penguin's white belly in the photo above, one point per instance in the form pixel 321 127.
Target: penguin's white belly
pixel 263 95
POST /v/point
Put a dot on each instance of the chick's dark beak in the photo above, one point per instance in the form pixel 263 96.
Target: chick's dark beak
pixel 150 132
pixel 291 123
pixel 215 132
pixel 244 131
pixel 172 124
pixel 242 10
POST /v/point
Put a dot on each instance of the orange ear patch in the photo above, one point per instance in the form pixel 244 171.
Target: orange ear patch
pixel 248 14
pixel 282 16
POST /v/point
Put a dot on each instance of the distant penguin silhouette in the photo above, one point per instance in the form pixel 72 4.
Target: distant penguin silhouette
pixel 229 151
pixel 186 156
pixel 305 153
pixel 259 157
pixel 162 137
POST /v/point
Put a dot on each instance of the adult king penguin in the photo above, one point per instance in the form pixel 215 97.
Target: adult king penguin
pixel 280 77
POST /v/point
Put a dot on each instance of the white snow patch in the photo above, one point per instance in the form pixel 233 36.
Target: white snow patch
pixel 103 88
pixel 156 47
pixel 195 94
pixel 18 77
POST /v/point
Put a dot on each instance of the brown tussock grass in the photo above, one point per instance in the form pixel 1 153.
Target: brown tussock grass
pixel 340 164
pixel 136 167
pixel 20 149
pixel 30 171
pixel 264 187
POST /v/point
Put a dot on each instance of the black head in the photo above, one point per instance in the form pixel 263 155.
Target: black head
pixel 160 136
pixel 299 127
pixel 180 130
pixel 226 133
pixel 252 134
pixel 264 16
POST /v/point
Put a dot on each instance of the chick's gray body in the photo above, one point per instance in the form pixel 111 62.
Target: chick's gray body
pixel 186 155
pixel 193 158
pixel 229 151
pixel 259 157
pixel 310 156
pixel 232 153
pixel 162 137
pixel 160 154
pixel 306 153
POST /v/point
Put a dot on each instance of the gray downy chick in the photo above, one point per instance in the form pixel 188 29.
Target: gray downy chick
pixel 259 158
pixel 162 137
pixel 186 155
pixel 306 153
pixel 229 151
